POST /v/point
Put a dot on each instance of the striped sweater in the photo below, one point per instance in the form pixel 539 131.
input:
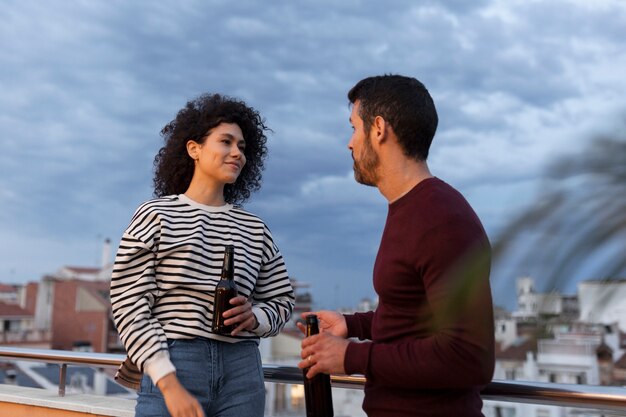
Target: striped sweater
pixel 166 269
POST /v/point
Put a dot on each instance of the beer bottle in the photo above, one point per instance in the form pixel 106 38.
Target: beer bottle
pixel 317 393
pixel 225 290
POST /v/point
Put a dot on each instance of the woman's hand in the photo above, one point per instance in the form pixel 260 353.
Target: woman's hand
pixel 241 314
pixel 179 402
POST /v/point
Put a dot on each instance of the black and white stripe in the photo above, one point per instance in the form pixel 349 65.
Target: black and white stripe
pixel 169 262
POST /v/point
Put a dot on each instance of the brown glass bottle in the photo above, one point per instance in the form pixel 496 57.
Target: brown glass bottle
pixel 317 393
pixel 225 290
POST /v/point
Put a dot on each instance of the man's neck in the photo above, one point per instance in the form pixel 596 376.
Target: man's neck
pixel 399 177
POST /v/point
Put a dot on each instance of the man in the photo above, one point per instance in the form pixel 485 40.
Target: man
pixel 430 341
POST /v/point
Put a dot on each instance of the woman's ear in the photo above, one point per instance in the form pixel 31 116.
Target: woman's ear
pixel 193 149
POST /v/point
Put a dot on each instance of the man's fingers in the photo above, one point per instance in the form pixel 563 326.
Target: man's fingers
pixel 313 370
pixel 310 341
pixel 305 354
pixel 309 363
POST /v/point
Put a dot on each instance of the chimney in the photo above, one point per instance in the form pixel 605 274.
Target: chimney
pixel 106 253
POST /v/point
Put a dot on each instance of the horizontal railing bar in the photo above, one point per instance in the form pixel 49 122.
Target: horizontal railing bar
pixel 563 395
pixel 293 375
pixel 70 357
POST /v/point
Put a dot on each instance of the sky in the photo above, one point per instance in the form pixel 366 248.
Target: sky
pixel 86 87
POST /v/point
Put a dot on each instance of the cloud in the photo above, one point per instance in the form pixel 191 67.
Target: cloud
pixel 88 86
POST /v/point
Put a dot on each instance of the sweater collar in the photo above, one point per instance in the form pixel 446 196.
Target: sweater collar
pixel 211 209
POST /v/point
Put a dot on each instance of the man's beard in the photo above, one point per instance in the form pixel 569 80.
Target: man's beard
pixel 365 170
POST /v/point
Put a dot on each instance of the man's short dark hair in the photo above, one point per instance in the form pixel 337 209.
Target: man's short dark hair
pixel 405 104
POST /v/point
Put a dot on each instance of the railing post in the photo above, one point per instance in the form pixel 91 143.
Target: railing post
pixel 62 377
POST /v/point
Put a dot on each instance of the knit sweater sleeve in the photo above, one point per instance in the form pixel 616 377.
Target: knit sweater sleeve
pixel 133 293
pixel 459 352
pixel 273 298
pixel 360 325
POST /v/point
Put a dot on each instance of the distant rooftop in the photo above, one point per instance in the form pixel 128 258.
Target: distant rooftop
pixel 13 310
pixel 517 350
pixel 7 288
pixel 82 269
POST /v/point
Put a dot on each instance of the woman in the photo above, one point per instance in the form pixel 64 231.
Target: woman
pixel 169 262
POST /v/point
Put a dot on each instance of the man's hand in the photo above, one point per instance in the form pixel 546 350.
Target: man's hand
pixel 323 353
pixel 329 321
pixel 242 314
pixel 177 399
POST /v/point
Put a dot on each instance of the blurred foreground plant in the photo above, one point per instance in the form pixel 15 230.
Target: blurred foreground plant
pixel 579 218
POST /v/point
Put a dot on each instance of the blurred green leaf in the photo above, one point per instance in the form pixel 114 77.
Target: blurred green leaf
pixel 579 218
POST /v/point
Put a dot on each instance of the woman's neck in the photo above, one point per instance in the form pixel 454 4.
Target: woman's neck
pixel 207 195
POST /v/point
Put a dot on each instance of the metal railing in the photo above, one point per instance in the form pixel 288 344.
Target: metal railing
pixel 563 395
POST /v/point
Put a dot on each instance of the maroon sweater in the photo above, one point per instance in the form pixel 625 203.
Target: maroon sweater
pixel 430 345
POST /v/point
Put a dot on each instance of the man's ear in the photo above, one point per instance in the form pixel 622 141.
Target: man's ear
pixel 193 149
pixel 380 127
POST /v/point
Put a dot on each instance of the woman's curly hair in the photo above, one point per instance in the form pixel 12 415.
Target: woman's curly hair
pixel 174 168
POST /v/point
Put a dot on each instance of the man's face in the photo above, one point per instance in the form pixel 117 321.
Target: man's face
pixel 365 159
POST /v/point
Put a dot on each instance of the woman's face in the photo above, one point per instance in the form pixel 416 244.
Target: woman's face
pixel 220 158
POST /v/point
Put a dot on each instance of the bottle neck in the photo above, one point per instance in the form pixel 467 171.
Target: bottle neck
pixel 228 268
pixel 312 326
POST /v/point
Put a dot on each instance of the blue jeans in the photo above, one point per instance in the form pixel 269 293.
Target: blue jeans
pixel 226 378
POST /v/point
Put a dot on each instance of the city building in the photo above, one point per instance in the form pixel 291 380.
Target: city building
pixel 532 304
pixel 603 301
pixel 563 339
pixel 17 318
pixel 18 329
pixel 9 293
